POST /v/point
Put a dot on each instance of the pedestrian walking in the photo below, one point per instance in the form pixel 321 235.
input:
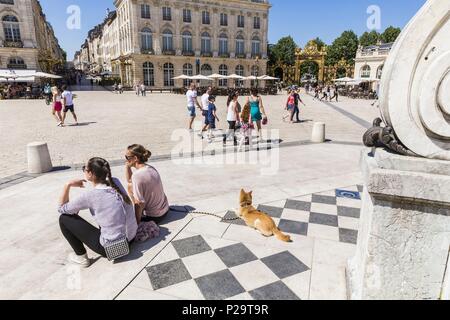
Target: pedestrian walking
pixel 143 90
pixel 290 105
pixel 257 109
pixel 137 87
pixel 57 105
pixel 115 87
pixel 232 118
pixel 246 127
pixel 192 102
pixel 205 104
pixel 120 88
pixel 67 99
pixel 296 111
pixel 212 117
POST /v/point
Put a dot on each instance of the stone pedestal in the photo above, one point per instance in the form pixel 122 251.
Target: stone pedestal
pixel 318 133
pixel 404 236
pixel 39 160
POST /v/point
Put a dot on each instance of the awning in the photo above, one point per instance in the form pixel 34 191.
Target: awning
pixel 17 75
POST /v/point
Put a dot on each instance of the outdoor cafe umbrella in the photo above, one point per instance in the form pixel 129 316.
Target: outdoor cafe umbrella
pixel 46 75
pixel 236 77
pixel 266 77
pixel 182 77
pixel 344 80
pixel 201 77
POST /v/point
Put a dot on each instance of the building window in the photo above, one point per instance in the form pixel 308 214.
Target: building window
pixel 149 74
pixel 145 11
pixel 187 16
pixel 187 42
pixel 257 22
pixel 240 72
pixel 146 39
pixel 7 1
pixel 205 17
pixel 256 47
pixel 240 21
pixel 188 70
pixel 11 28
pixel 223 71
pixel 169 73
pixel 240 46
pixel 380 71
pixel 205 70
pixel 16 63
pixel 223 44
pixel 167 14
pixel 223 19
pixel 167 40
pixel 365 71
pixel 206 43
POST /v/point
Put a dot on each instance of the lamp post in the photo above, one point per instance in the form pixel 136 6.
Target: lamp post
pixel 257 71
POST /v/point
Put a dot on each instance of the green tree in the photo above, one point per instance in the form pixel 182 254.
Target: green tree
pixel 343 47
pixel 319 42
pixel 390 34
pixel 283 51
pixel 369 38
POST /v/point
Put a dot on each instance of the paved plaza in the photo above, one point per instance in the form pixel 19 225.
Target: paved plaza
pixel 110 123
pixel 314 195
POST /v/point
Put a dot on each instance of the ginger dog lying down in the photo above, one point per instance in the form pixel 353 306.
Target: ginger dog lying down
pixel 257 219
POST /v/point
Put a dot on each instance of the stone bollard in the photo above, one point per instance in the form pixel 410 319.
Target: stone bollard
pixel 318 133
pixel 39 160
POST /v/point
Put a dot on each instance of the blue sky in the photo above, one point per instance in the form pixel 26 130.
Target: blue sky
pixel 302 19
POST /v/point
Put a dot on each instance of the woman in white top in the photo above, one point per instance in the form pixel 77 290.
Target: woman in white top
pixel 232 117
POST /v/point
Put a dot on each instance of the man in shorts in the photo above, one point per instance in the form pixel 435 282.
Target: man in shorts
pixel 67 98
pixel 192 102
pixel 205 104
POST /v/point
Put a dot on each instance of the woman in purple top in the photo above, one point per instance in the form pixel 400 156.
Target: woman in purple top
pixel 108 203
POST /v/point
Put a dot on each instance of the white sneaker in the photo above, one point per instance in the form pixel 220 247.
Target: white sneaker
pixel 82 261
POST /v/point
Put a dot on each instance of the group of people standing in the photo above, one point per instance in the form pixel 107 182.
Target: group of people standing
pixel 238 117
pixel 118 88
pixel 118 212
pixel 140 89
pixel 62 102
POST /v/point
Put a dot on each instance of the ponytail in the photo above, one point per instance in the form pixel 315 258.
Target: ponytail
pixel 102 171
pixel 112 184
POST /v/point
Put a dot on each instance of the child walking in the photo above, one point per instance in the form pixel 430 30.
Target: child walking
pixel 211 117
pixel 246 127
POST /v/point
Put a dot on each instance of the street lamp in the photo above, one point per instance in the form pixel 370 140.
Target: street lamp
pixel 257 71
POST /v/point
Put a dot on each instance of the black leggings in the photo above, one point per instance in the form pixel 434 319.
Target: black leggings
pixel 78 232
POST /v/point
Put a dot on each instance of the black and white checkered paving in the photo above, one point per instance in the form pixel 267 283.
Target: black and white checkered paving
pixel 196 266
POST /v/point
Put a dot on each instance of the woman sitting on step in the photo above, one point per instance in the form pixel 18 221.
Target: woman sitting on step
pixel 108 203
pixel 145 186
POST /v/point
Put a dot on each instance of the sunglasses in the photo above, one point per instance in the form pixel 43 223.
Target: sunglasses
pixel 129 158
pixel 84 168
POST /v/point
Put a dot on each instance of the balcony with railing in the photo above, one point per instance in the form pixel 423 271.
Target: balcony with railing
pixel 16 66
pixel 148 51
pixel 13 44
pixel 188 53
pixel 169 52
pixel 206 54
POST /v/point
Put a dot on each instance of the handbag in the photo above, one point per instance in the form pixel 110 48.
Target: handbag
pixel 265 121
pixel 118 248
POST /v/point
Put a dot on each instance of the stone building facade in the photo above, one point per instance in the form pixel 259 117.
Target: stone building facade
pixel 369 61
pixel 152 41
pixel 27 40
